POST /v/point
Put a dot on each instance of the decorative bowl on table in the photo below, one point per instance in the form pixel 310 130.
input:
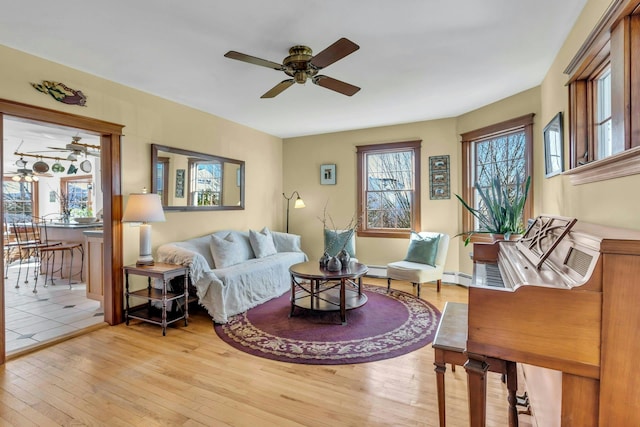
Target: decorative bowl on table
pixel 85 219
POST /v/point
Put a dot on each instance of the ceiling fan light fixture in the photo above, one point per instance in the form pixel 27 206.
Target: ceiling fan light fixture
pixel 16 178
pixel 72 157
pixel 300 77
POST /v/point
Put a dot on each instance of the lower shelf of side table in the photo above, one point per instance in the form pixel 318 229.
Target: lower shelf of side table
pixel 153 314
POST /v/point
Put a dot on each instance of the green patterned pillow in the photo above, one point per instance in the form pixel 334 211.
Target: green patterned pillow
pixel 334 241
pixel 423 250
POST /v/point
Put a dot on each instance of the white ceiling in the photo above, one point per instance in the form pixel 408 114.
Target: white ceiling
pixel 418 59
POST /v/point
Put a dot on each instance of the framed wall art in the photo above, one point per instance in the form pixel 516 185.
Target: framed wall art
pixel 180 183
pixel 439 177
pixel 553 147
pixel 328 174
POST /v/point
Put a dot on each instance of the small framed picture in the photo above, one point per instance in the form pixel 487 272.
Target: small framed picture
pixel 553 147
pixel 328 174
pixel 180 183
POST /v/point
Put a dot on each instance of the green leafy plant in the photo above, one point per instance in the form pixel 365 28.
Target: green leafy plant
pixel 503 209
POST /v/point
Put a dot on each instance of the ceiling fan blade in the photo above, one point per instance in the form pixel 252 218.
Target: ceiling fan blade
pixel 279 88
pixel 336 51
pixel 253 60
pixel 337 85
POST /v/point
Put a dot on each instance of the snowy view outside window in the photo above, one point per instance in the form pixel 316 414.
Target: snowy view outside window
pixel 389 189
pixel 503 157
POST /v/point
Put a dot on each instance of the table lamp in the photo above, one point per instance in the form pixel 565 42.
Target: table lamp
pixel 144 208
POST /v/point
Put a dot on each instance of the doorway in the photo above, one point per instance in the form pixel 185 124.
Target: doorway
pixel 109 135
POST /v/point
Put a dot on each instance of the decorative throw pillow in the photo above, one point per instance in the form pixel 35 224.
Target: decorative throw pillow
pixel 227 251
pixel 262 243
pixel 334 241
pixel 423 250
pixel 285 242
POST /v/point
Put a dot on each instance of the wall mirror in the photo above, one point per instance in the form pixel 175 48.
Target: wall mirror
pixel 191 181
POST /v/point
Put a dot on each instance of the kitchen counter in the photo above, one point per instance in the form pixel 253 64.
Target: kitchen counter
pixel 73 225
pixel 94 233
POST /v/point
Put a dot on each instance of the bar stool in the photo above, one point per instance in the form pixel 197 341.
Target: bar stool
pixel 49 255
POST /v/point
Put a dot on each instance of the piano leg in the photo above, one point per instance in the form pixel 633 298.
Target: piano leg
pixel 441 368
pixel 512 387
pixel 477 367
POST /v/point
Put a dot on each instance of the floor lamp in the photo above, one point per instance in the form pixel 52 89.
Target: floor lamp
pixel 144 208
pixel 299 204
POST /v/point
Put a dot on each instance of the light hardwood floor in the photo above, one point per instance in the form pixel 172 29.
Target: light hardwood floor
pixel 133 376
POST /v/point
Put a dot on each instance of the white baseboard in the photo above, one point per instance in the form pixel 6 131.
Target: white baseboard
pixel 380 272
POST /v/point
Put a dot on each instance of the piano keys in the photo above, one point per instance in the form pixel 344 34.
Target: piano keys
pixel 565 298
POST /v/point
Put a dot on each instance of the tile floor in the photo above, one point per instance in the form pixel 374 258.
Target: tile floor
pixel 53 311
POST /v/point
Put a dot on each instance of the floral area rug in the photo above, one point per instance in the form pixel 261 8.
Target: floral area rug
pixel 388 325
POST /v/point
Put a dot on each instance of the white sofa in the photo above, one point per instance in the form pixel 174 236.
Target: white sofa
pixel 233 271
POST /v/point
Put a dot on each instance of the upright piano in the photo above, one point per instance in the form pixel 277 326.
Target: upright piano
pixel 562 301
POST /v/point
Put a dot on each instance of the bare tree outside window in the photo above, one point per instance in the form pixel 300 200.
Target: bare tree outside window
pixel 389 177
pixel 18 201
pixel 500 151
pixel 503 157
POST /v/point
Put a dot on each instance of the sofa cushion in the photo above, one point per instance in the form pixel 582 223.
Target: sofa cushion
pixel 285 242
pixel 262 243
pixel 227 251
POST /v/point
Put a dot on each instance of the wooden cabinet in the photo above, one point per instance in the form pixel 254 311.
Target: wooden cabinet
pixel 93 264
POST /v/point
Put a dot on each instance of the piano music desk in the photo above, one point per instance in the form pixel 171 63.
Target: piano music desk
pixel 449 346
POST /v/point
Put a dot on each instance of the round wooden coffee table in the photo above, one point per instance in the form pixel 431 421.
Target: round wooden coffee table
pixel 315 288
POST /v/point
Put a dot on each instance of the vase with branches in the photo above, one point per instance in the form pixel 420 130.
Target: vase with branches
pixel 336 241
pixel 65 209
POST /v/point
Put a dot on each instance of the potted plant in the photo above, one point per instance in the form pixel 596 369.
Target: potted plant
pixel 502 213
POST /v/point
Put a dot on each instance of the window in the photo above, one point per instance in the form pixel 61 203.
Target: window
pixel 604 97
pixel 602 116
pixel 78 192
pixel 389 189
pixel 502 150
pixel 162 179
pixel 18 202
pixel 206 183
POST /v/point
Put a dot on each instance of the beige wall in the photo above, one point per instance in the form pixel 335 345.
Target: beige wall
pixel 149 119
pixel 303 157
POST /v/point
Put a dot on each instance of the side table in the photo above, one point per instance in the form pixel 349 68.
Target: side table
pixel 146 312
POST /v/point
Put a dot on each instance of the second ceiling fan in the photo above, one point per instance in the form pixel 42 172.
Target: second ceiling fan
pixel 301 64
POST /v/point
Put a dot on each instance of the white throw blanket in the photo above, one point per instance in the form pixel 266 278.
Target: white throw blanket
pixel 234 289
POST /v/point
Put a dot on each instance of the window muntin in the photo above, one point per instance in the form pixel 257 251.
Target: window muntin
pixel 389 188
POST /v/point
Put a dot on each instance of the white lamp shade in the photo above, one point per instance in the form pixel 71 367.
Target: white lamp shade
pixel 299 204
pixel 143 207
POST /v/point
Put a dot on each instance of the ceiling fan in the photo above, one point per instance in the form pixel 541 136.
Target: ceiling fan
pixel 301 64
pixel 76 148
pixel 25 174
